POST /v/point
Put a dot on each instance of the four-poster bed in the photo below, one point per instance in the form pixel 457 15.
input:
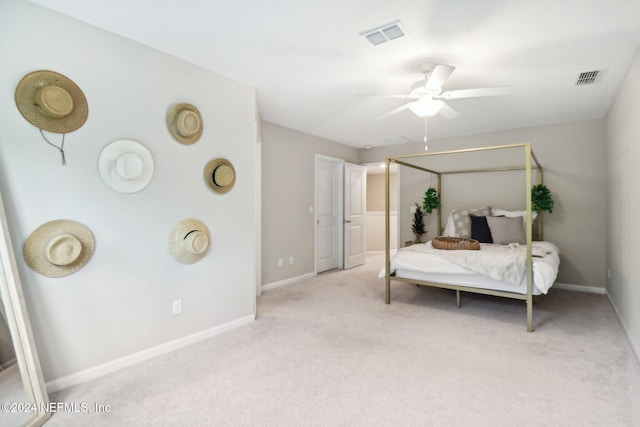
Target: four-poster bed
pixel 543 271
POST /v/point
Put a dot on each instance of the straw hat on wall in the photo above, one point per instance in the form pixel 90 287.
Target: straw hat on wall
pixel 189 241
pixel 59 248
pixel 185 123
pixel 220 175
pixel 51 101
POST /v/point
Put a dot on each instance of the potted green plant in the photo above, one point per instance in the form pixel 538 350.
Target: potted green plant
pixel 541 199
pixel 418 226
pixel 431 200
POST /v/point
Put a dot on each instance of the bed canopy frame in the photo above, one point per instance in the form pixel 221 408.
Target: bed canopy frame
pixel 530 164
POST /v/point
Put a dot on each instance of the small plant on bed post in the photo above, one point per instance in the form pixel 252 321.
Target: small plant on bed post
pixel 431 201
pixel 541 201
pixel 418 226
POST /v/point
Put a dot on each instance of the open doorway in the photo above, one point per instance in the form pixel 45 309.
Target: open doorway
pixel 376 207
pixel 329 204
pixel 340 214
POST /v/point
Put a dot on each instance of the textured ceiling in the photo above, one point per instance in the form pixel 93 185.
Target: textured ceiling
pixel 307 60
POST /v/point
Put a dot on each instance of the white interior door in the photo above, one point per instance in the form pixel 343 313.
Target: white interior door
pixel 355 208
pixel 328 213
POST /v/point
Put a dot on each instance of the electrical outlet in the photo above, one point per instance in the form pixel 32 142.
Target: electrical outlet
pixel 280 262
pixel 290 260
pixel 177 306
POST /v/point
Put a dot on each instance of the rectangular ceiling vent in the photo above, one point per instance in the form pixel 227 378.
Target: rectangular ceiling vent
pixel 384 33
pixel 587 78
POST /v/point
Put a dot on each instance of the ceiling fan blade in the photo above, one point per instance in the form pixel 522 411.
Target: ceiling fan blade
pixel 388 95
pixel 472 93
pixel 438 76
pixel 394 111
pixel 448 112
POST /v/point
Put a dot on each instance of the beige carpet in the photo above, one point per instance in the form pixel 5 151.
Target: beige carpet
pixel 328 352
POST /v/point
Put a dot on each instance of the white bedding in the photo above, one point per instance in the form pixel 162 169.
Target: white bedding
pixel 498 267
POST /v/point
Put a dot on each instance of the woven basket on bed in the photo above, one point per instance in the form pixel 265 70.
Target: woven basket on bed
pixel 450 243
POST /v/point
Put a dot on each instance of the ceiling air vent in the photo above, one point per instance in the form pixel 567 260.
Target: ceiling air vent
pixel 384 33
pixel 587 78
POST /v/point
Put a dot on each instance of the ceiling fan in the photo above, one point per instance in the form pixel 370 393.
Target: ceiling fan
pixel 427 93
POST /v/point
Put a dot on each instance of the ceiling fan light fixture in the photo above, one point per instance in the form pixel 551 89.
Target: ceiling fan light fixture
pixel 426 107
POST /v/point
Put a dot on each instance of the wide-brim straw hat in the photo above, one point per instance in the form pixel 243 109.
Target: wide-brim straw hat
pixel 126 166
pixel 185 123
pixel 51 101
pixel 189 241
pixel 220 175
pixel 59 248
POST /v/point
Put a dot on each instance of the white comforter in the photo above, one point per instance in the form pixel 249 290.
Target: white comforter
pixel 500 262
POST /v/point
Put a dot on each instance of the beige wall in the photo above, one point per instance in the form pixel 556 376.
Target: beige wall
pixel 572 156
pixel 375 192
pixel 574 170
pixel 288 180
pixel 376 231
pixel 375 211
pixel 120 303
pixel 623 203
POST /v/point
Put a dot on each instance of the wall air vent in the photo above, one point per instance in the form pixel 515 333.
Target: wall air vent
pixel 384 33
pixel 587 78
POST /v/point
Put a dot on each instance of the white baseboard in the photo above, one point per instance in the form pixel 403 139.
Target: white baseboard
pixel 9 362
pixel 124 362
pixel 632 342
pixel 580 288
pixel 289 281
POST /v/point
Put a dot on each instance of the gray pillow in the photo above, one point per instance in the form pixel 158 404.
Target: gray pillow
pixel 462 222
pixel 505 230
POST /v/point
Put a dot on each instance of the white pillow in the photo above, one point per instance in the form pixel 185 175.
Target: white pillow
pixel 513 214
pixel 450 228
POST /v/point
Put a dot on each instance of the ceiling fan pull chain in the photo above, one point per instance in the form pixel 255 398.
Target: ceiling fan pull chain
pixel 426 147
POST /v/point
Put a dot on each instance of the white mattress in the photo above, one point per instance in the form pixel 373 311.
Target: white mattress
pixel 419 264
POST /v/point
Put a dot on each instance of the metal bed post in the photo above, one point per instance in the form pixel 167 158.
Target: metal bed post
pixel 540 179
pixel 440 206
pixel 529 239
pixel 387 235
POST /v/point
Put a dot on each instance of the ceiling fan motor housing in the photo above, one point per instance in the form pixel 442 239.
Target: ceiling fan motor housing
pixel 419 88
pixel 426 94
